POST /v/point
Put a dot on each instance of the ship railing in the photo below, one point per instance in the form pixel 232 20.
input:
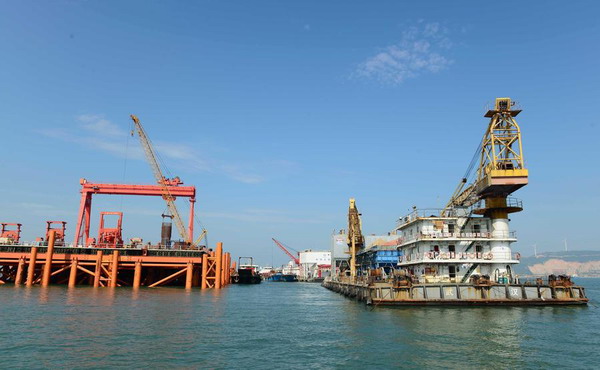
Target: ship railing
pixel 419 212
pixel 457 256
pixel 465 235
pixel 470 235
pixel 511 202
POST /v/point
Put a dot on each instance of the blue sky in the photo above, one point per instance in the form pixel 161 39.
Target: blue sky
pixel 278 112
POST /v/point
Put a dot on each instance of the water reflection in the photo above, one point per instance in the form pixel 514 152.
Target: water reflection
pixel 43 294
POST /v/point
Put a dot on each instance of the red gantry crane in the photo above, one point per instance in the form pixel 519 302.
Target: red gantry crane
pixel 167 188
pixel 294 258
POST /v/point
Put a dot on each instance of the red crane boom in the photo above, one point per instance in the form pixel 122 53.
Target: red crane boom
pixel 294 258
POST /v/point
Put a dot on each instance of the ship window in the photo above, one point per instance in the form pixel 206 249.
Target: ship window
pixel 452 271
pixel 451 228
pixel 478 248
pixel 451 248
pixel 476 228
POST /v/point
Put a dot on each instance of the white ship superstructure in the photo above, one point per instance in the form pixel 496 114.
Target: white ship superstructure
pixel 436 249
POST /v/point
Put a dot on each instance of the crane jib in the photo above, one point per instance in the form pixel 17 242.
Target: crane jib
pixel 160 179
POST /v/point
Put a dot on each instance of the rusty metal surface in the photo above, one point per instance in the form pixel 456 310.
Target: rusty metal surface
pixel 462 294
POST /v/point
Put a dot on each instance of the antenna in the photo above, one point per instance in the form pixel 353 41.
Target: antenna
pixel 566 246
pixel 535 250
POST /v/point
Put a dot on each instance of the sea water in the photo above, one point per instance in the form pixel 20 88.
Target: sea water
pixel 283 325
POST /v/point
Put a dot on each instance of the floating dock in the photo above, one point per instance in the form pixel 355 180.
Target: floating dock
pixel 114 267
pixel 557 292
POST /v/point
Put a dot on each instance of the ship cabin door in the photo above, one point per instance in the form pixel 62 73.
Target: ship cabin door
pixel 452 273
pixel 452 251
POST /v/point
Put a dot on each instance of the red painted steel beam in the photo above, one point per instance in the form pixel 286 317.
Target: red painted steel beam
pixel 89 189
pixel 150 190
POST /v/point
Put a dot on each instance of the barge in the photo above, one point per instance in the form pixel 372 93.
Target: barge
pixel 557 291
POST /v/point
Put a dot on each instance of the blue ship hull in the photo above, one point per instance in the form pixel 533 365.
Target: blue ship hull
pixel 279 277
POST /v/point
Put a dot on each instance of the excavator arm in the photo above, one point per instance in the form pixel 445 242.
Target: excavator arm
pixel 356 240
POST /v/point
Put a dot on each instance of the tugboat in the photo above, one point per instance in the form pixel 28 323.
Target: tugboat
pixel 246 273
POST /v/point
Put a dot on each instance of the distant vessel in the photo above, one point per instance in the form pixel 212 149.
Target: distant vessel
pixel 265 270
pixel 287 273
pixel 247 273
pixel 278 276
pixel 281 277
pixel 289 278
pixel 290 271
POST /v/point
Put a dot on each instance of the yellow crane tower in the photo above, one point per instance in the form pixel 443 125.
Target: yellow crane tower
pixel 355 240
pixel 162 180
pixel 501 169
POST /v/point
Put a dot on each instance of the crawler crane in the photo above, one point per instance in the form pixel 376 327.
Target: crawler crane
pixel 165 183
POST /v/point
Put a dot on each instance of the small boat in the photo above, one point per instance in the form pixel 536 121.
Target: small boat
pixel 278 276
pixel 246 273
pixel 289 278
pixel 281 277
pixel 287 273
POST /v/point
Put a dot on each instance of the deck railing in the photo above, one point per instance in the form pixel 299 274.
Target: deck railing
pixel 457 256
pixel 466 236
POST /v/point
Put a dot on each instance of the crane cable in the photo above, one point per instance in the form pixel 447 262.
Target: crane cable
pixel 125 162
pixel 166 171
pixel 473 162
pixel 288 247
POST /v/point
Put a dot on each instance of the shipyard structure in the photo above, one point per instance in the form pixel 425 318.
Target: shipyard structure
pixel 307 265
pixel 107 260
pixel 459 254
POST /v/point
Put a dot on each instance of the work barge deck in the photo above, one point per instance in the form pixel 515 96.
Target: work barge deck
pixel 114 267
pixel 389 293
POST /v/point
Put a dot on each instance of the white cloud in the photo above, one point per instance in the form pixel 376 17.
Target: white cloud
pixel 237 174
pixel 182 152
pixel 420 50
pixel 99 125
pixel 96 132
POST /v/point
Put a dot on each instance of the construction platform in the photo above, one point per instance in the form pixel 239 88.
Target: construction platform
pixel 458 294
pixel 114 267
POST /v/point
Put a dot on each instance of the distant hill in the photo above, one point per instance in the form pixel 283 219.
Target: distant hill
pixel 579 263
